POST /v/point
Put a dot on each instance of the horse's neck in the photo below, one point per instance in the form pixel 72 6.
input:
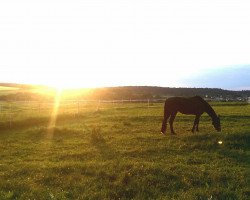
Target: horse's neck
pixel 210 111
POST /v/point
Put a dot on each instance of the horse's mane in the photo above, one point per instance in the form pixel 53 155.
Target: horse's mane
pixel 210 110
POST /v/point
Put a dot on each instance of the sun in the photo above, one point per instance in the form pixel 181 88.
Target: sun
pixel 65 85
pixel 74 80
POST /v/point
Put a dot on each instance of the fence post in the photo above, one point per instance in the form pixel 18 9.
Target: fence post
pixel 148 103
pixel 77 106
pixel 39 107
pixel 98 105
pixel 10 120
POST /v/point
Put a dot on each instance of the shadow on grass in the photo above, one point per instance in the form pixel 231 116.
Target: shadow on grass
pixel 29 122
pixel 37 121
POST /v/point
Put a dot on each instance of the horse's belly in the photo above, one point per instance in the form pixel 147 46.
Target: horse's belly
pixel 188 110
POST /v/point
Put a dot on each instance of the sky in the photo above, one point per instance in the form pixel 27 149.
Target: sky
pixel 94 43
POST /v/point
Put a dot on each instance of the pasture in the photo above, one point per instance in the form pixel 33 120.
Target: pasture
pixel 116 151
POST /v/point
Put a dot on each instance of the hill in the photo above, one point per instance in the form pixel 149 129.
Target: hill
pixel 33 92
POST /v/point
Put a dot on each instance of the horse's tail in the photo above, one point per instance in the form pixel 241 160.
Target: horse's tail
pixel 165 118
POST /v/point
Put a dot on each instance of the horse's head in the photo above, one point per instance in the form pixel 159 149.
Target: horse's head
pixel 216 123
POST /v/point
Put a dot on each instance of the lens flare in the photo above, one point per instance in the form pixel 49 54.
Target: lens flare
pixel 52 123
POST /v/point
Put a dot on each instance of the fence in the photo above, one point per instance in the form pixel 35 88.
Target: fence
pixel 12 109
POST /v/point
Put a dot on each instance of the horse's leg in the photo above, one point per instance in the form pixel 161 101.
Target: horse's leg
pixel 164 122
pixel 171 121
pixel 196 122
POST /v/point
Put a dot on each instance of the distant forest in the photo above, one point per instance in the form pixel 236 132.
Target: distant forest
pixel 29 92
pixel 148 92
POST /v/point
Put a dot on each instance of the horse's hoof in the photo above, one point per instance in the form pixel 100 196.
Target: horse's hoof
pixel 163 133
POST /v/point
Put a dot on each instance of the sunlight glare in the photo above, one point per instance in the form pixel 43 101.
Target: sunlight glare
pixel 52 123
pixel 220 142
pixel 60 86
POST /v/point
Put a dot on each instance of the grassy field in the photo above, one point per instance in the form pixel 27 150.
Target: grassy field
pixel 116 152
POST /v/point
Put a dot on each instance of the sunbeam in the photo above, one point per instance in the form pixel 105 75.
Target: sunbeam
pixel 52 122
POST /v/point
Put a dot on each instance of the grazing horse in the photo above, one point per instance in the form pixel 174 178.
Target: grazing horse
pixel 190 106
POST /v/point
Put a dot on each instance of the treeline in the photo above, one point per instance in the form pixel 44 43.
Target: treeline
pixel 148 92
pixel 126 92
pixel 145 92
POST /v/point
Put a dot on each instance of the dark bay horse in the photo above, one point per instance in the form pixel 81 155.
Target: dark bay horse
pixel 190 106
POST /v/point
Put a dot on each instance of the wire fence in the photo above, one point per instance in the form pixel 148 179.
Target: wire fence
pixel 12 110
pixel 14 106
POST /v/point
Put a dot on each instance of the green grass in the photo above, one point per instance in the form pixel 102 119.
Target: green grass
pixel 116 152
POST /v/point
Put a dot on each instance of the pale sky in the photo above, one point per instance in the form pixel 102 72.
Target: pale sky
pixel 90 43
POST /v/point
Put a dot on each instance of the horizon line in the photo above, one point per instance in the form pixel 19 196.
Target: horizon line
pixel 116 86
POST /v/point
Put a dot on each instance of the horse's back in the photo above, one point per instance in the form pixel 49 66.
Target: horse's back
pixel 192 105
